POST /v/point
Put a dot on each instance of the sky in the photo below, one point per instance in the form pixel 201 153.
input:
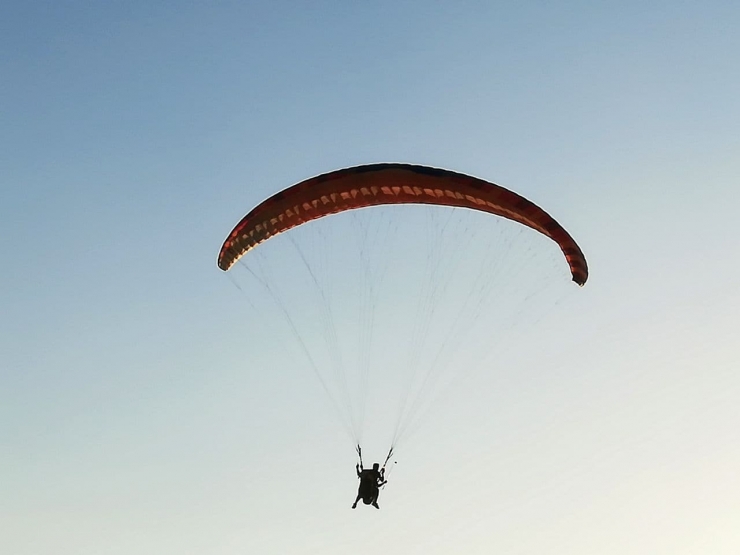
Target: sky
pixel 144 410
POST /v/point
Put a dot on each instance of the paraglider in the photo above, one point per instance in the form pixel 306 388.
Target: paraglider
pixel 388 186
pixel 371 480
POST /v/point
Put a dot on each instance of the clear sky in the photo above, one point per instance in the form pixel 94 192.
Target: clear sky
pixel 138 414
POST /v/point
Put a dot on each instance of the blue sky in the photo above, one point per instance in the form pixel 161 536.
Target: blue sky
pixel 134 135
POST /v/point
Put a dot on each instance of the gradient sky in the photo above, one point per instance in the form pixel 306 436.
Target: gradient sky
pixel 137 417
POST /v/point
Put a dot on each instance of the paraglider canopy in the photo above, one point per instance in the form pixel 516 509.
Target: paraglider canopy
pixel 387 184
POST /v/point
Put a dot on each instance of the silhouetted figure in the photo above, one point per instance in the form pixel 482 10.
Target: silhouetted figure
pixel 370 482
